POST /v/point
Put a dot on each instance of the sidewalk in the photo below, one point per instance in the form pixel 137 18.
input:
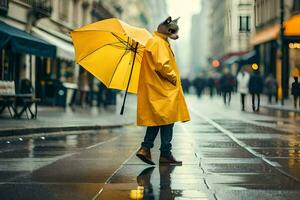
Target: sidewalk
pixel 288 105
pixel 54 119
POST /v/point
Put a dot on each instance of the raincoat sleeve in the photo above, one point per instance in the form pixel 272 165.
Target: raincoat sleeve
pixel 160 55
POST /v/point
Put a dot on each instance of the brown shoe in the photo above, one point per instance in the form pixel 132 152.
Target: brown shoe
pixel 169 160
pixel 145 155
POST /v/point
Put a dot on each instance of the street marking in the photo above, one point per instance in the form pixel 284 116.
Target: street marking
pixel 245 146
pixel 100 143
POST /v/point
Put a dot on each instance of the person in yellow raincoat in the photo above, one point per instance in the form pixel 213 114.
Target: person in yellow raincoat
pixel 160 96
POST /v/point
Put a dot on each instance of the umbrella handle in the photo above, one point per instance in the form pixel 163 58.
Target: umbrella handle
pixel 123 106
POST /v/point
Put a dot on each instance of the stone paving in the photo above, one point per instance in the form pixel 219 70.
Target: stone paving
pixel 226 153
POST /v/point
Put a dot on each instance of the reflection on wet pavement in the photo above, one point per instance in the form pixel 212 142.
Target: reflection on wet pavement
pixel 240 160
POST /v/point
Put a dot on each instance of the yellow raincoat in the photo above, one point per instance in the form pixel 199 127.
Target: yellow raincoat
pixel 159 101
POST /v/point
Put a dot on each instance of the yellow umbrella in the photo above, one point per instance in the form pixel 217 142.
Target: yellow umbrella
pixel 112 51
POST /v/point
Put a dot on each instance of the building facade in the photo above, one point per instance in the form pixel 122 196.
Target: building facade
pixel 216 31
pixel 231 24
pixel 200 39
pixel 239 24
pixel 51 21
pixel 267 41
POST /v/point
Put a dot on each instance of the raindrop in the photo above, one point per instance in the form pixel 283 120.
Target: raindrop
pixel 7 142
pixel 21 139
pixel 43 138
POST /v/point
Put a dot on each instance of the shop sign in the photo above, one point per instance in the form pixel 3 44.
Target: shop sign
pixel 294 45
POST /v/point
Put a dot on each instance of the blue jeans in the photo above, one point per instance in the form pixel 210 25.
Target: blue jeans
pixel 166 134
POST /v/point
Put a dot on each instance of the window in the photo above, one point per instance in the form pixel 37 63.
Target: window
pixel 64 10
pixel 296 6
pixel 244 23
pixel 3 7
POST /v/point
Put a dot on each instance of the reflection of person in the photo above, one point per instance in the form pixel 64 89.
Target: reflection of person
pixel 255 88
pixel 144 180
pixel 165 183
pixel 160 97
pixel 296 91
pixel 243 81
pixel 165 189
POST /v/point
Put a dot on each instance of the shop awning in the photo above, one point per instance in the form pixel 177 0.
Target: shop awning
pixel 22 42
pixel 231 57
pixel 231 60
pixel 65 50
pixel 230 54
pixel 265 35
pixel 292 26
pixel 248 58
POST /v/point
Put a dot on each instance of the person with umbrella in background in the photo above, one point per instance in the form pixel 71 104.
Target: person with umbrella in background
pixel 160 96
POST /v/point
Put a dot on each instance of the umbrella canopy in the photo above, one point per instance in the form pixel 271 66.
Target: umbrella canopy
pixel 112 51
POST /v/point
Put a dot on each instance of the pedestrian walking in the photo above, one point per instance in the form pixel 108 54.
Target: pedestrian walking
pixel 199 84
pixel 161 101
pixel 101 95
pixel 242 87
pixel 83 86
pixel 211 85
pixel 271 87
pixel 185 85
pixel 296 91
pixel 255 88
pixel 217 80
pixel 227 83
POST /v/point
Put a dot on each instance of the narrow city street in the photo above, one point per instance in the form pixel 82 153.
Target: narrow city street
pixel 87 85
pixel 226 153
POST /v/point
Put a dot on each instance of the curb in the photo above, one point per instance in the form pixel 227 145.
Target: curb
pixel 280 108
pixel 28 131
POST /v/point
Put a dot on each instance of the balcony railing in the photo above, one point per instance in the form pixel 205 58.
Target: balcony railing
pixel 3 7
pixel 40 7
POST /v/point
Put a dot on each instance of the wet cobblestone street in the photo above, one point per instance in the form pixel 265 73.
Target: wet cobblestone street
pixel 226 154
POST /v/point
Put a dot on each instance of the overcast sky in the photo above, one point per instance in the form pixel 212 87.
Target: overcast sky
pixel 184 9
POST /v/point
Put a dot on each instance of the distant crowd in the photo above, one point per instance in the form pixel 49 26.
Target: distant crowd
pixel 244 83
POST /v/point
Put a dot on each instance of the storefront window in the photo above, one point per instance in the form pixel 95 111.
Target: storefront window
pixel 294 57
